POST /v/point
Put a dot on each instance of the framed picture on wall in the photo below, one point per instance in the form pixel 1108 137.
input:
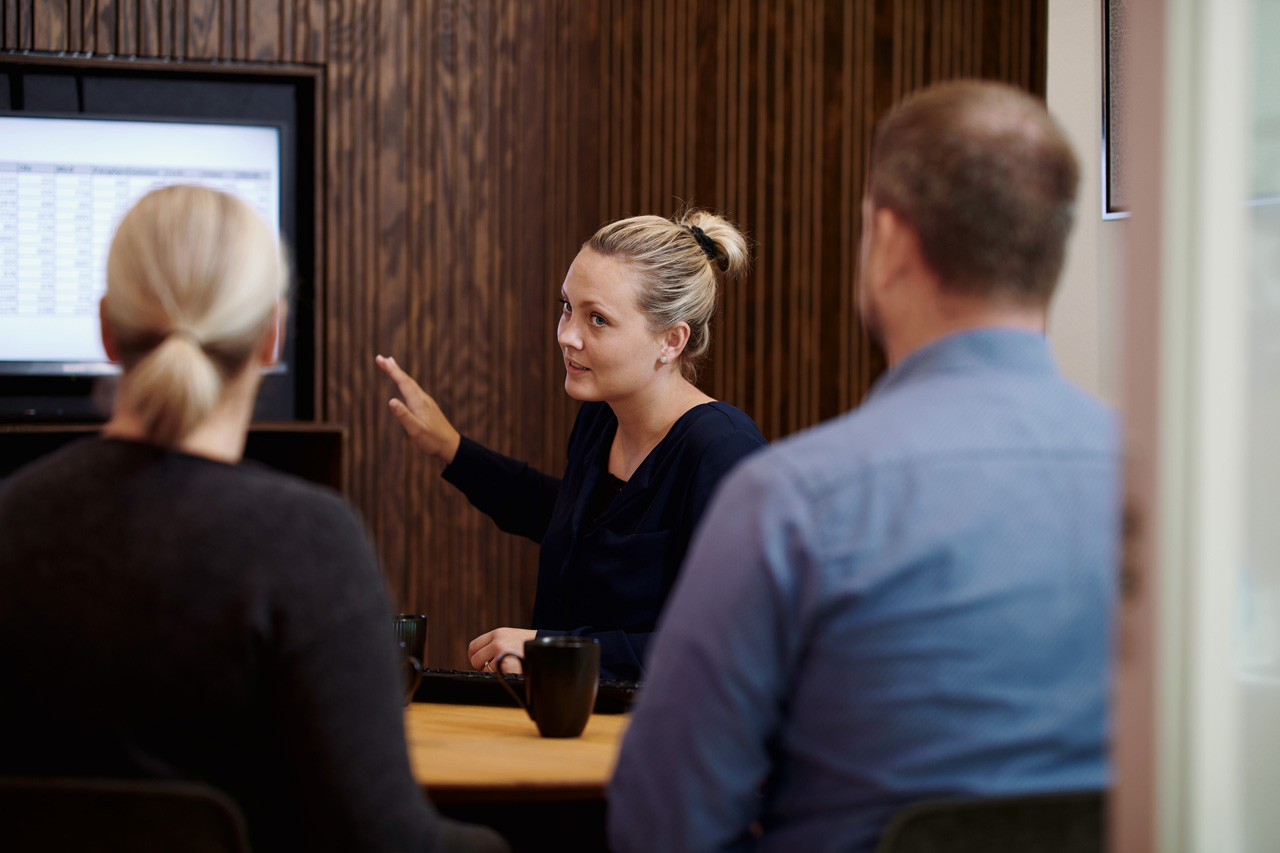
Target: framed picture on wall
pixel 1115 196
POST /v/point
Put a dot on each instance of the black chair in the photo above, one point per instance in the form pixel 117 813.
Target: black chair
pixel 1048 823
pixel 117 815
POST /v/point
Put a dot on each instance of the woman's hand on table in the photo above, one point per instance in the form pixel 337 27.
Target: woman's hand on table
pixel 425 424
pixel 486 648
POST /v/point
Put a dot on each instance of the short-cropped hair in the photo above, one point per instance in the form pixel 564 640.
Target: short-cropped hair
pixel 987 179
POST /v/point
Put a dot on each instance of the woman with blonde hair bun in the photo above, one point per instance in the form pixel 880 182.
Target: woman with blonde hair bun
pixel 646 452
pixel 168 612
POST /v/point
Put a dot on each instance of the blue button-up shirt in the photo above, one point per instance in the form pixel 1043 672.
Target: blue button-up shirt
pixel 913 600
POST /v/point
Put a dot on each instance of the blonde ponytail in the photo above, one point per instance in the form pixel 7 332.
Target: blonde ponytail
pixel 174 388
pixel 193 276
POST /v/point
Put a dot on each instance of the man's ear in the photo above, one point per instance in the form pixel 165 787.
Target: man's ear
pixel 895 247
pixel 272 343
pixel 108 337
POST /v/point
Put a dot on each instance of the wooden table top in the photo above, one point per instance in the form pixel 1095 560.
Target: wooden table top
pixel 465 753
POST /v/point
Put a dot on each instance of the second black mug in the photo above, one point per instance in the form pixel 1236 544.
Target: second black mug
pixel 561 676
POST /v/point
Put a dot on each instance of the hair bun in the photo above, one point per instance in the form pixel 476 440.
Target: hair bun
pixel 728 252
pixel 706 243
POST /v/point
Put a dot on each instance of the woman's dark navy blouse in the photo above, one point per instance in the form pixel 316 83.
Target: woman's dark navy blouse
pixel 611 580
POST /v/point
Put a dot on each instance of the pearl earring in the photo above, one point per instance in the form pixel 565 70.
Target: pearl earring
pixel 663 359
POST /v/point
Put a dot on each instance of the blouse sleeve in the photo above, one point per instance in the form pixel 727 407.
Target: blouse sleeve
pixel 518 497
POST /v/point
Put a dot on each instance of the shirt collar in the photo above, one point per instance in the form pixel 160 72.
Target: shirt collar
pixel 1004 349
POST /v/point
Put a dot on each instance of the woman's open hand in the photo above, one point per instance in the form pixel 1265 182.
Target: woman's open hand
pixel 487 647
pixel 425 424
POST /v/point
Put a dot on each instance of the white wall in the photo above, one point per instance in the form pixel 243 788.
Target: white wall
pixel 1083 321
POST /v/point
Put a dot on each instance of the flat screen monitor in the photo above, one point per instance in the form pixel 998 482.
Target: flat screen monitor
pixel 65 183
pixel 80 141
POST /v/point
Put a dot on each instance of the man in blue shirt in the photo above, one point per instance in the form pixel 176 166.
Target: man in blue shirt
pixel 913 600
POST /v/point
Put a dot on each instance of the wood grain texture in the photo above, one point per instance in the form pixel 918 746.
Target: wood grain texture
pixel 153 34
pixel 466 753
pixel 264 22
pixel 203 29
pixel 51 25
pixel 471 146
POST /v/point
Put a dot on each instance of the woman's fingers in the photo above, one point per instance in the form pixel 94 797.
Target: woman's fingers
pixel 475 649
pixel 408 386
pixel 414 428
pixel 487 648
pixel 419 414
pixel 389 367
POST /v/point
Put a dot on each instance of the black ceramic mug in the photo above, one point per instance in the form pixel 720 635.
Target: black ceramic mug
pixel 411 634
pixel 411 629
pixel 561 676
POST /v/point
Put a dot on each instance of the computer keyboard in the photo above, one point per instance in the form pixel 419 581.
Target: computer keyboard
pixel 468 687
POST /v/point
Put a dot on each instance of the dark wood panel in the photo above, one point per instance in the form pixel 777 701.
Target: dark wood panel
pixel 391 309
pixel 288 27
pixel 312 26
pixel 179 14
pixel 470 146
pixel 153 29
pixel 9 24
pixel 78 11
pixel 264 22
pixel 104 29
pixel 203 20
pixel 128 36
pixel 50 26
pixel 232 26
pixel 89 15
pixel 25 28
pixel 236 26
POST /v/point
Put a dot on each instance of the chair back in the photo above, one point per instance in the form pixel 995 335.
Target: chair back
pixel 1047 823
pixel 117 815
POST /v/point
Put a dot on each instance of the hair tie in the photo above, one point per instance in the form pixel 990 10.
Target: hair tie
pixel 707 245
pixel 184 332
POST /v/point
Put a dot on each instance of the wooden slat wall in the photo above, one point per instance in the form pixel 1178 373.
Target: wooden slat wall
pixel 472 145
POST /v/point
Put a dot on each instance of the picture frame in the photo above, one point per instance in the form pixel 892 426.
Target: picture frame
pixel 1115 196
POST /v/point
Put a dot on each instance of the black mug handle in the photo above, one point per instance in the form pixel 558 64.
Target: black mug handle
pixel 410 682
pixel 497 669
